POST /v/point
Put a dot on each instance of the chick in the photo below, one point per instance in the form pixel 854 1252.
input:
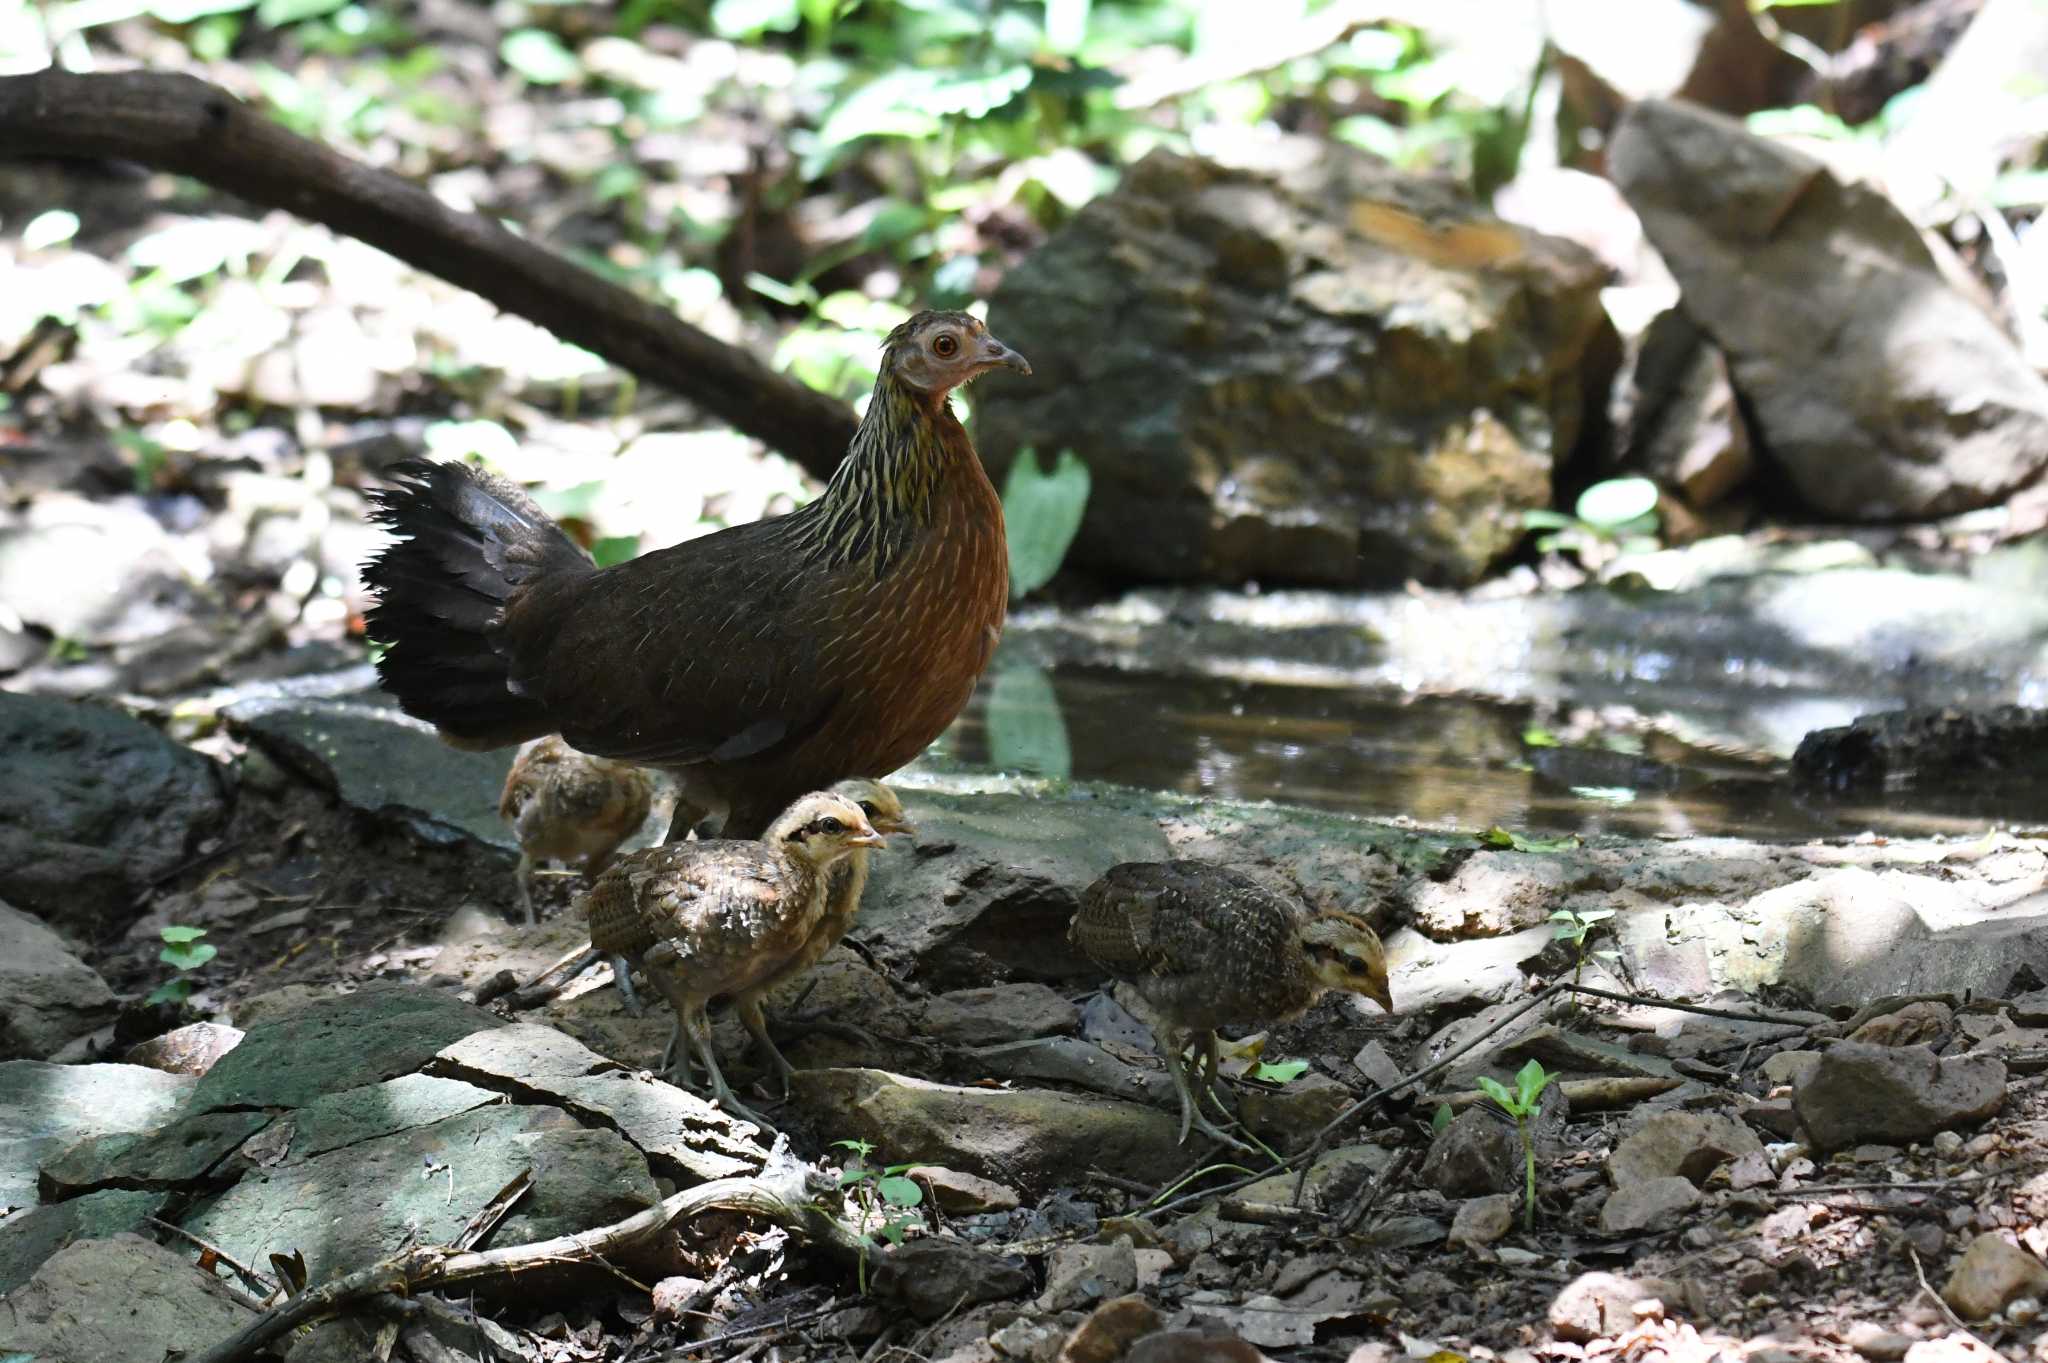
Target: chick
pixel 1204 947
pixel 710 918
pixel 842 902
pixel 564 805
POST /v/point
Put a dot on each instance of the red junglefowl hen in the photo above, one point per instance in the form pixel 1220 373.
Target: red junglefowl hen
pixel 1205 947
pixel 566 806
pixel 756 663
pixel 720 917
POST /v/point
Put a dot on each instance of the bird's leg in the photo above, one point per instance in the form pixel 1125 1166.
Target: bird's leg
pixel 699 1027
pixel 675 1057
pixel 749 1009
pixel 1190 1106
pixel 622 976
pixel 524 879
pixel 1210 1088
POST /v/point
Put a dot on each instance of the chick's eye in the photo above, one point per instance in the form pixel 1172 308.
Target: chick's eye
pixel 946 346
pixel 867 807
pixel 829 824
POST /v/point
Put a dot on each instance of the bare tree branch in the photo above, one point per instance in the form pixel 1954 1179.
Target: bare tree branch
pixel 183 124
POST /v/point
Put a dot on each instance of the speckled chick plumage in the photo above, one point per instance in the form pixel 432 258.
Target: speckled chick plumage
pixel 845 883
pixel 1206 947
pixel 568 806
pixel 710 918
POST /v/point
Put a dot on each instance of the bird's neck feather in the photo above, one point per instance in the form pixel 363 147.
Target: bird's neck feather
pixel 907 444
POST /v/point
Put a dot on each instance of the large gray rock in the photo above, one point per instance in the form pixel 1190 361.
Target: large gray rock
pixel 94 805
pixel 118 1300
pixel 177 1156
pixel 1879 391
pixel 379 759
pixel 349 1207
pixel 988 883
pixel 362 1038
pixel 48 1108
pixel 47 995
pixel 1309 367
pixel 34 1235
pixel 1900 747
pixel 1893 1095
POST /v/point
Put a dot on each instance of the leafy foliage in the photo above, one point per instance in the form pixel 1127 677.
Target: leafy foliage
pixel 184 953
pixel 1042 513
pixel 1522 1103
pixel 883 1195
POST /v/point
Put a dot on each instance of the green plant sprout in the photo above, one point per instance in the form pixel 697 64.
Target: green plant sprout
pixel 1530 1081
pixel 1613 517
pixel 1574 926
pixel 184 953
pixel 884 1197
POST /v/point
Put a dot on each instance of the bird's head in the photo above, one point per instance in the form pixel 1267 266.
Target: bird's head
pixel 881 804
pixel 823 827
pixel 1345 953
pixel 935 352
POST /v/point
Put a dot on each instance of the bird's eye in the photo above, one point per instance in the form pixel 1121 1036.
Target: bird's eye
pixel 946 346
pixel 867 807
pixel 828 824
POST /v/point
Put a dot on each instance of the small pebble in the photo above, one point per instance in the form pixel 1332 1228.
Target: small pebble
pixel 2025 1311
pixel 1947 1143
pixel 1980 1145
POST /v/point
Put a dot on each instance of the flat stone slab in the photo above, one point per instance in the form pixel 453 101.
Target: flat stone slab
pixel 361 1114
pixel 336 1044
pixel 28 1239
pixel 170 1157
pixel 379 759
pixel 45 1109
pixel 684 1136
pixel 47 995
pixel 350 1207
pixel 118 1300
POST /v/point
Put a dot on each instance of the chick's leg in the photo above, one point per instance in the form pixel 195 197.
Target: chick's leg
pixel 698 1025
pixel 523 878
pixel 1190 1104
pixel 748 1006
pixel 622 977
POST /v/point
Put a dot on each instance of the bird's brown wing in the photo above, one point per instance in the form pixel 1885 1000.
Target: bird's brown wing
pixel 712 650
pixel 1177 918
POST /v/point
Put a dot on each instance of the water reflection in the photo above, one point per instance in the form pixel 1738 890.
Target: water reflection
pixel 1439 759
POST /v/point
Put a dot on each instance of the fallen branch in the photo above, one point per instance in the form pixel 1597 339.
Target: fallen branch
pixel 180 123
pixel 786 1192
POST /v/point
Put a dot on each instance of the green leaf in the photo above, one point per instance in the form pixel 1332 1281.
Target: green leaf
pixel 1497 1091
pixel 1616 501
pixel 1595 915
pixel 191 957
pixel 170 991
pixel 614 549
pixel 1539 738
pixel 1440 1118
pixel 745 19
pixel 1279 1071
pixel 1530 1082
pixel 861 1148
pixel 1041 515
pixel 1497 836
pixel 1026 731
pixel 53 227
pixel 186 11
pixel 539 56
pixel 898 1191
pixel 278 13
pixel 849 1177
pixel 176 933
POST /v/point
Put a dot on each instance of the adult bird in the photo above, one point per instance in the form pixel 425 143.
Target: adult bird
pixel 756 663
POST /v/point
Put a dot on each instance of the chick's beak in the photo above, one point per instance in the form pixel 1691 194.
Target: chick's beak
pixel 867 838
pixel 995 352
pixel 1382 994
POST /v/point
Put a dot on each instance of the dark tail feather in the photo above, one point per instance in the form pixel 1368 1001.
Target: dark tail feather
pixel 470 542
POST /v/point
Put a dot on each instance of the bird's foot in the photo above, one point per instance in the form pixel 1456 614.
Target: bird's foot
pixel 1192 1120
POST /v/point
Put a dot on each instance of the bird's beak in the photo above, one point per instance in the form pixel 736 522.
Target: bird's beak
pixel 1384 997
pixel 868 839
pixel 900 826
pixel 996 353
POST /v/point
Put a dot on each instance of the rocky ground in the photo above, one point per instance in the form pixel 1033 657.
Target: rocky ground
pixel 1851 1110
